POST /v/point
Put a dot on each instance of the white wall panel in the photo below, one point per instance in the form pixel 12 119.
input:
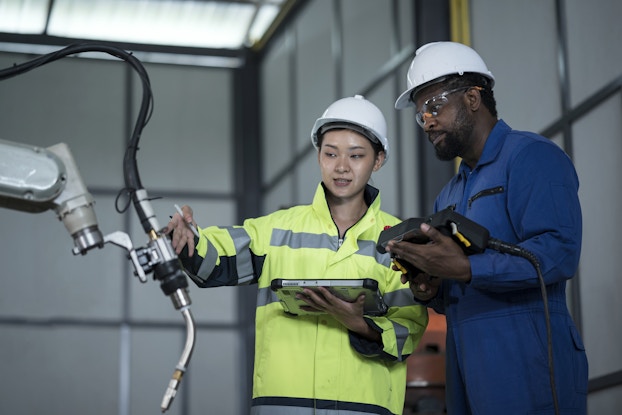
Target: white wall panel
pixel 367 46
pixel 594 53
pixel 216 387
pixel 385 179
pixel 315 71
pixel 517 40
pixel 211 381
pixel 279 197
pixel 59 370
pixel 307 178
pixel 76 101
pixel 607 402
pixel 598 151
pixel 275 109
pixel 408 153
pixel 44 280
pixel 188 143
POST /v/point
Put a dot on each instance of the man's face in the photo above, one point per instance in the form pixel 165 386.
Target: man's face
pixel 449 126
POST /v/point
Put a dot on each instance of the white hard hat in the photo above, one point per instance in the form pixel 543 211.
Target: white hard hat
pixel 357 114
pixel 436 60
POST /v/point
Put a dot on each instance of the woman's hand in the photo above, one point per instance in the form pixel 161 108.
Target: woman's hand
pixel 350 314
pixel 182 235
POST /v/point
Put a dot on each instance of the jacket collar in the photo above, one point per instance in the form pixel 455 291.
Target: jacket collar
pixel 371 196
pixel 493 146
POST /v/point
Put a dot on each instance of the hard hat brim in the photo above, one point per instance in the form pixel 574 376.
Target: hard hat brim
pixel 404 101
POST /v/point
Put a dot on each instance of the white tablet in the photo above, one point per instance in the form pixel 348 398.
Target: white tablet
pixel 348 290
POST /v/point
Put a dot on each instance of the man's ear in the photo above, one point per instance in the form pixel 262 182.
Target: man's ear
pixel 474 98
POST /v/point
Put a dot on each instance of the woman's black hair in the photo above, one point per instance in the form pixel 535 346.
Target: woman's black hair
pixel 374 144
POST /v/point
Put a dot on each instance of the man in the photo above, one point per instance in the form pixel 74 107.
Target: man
pixel 339 360
pixel 523 189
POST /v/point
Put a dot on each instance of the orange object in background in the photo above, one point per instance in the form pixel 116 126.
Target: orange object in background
pixel 425 376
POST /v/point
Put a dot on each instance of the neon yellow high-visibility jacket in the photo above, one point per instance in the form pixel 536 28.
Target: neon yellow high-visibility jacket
pixel 312 364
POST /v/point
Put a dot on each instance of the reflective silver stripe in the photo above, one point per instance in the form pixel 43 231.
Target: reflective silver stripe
pixel 209 262
pixel 368 248
pixel 266 296
pixel 297 240
pixel 245 280
pixel 244 269
pixel 400 298
pixel 401 335
pixel 244 263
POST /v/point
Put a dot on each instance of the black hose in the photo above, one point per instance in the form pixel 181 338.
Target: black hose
pixel 130 167
pixel 516 250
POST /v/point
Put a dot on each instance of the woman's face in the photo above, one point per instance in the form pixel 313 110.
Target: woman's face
pixel 347 160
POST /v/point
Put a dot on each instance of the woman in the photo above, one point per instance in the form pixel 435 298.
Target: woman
pixel 336 360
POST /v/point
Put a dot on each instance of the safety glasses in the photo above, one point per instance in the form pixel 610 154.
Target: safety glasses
pixel 432 107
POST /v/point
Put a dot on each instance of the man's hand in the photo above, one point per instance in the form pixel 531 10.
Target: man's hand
pixel 441 256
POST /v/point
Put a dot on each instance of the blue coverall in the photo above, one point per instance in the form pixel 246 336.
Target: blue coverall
pixel 524 191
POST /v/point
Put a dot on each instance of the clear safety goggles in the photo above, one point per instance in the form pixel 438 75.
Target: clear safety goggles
pixel 432 107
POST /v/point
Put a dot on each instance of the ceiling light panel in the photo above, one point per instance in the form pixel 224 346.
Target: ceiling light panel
pixel 266 15
pixel 162 22
pixel 23 16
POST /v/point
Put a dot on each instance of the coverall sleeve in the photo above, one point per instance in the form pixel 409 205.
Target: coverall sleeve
pixel 544 218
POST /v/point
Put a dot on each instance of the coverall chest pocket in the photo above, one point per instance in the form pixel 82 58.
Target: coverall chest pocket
pixel 484 193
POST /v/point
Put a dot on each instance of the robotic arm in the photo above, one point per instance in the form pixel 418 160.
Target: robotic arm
pixel 35 179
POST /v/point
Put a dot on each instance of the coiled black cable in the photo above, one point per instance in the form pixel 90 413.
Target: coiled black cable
pixel 516 250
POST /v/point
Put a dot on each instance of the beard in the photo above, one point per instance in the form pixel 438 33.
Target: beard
pixel 456 140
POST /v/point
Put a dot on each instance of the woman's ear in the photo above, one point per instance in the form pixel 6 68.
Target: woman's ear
pixel 379 160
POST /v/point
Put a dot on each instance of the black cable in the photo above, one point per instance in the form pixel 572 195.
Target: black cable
pixel 516 250
pixel 130 168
